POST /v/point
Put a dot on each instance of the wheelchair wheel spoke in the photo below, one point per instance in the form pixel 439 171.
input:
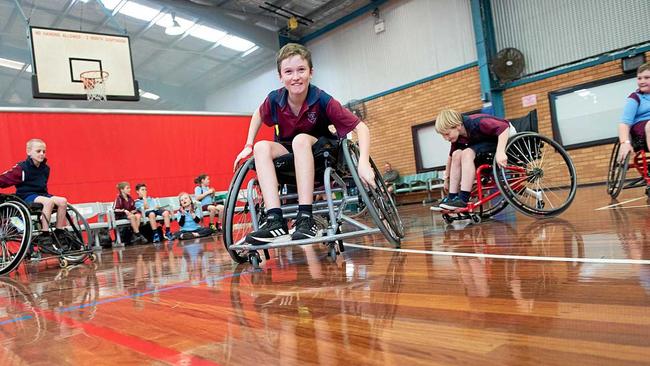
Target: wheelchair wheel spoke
pixel 520 154
pixel 527 153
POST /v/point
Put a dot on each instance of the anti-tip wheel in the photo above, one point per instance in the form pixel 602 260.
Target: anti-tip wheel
pixel 332 251
pixel 255 260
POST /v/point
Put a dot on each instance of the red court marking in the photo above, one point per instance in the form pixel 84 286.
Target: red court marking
pixel 151 349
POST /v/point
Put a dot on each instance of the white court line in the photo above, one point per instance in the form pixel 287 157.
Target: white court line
pixel 641 206
pixel 620 203
pixel 505 256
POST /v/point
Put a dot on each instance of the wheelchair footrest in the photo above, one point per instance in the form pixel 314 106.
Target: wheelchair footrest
pixel 322 239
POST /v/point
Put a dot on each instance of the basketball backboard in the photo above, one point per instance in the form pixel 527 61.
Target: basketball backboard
pixel 61 56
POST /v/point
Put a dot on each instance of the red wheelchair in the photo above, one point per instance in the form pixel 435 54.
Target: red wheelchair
pixel 539 180
pixel 618 169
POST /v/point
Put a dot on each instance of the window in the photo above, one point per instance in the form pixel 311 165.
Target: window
pixel 588 114
pixel 431 150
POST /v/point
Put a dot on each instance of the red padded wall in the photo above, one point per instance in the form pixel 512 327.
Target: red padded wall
pixel 90 153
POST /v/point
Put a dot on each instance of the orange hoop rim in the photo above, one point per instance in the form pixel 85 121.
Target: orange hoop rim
pixel 94 75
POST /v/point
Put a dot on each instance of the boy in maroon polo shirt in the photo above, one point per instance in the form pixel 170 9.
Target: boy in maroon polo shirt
pixel 469 136
pixel 301 113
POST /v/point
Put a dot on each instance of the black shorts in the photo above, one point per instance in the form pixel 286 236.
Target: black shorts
pixel 323 143
pixel 157 212
pixel 484 152
pixel 484 147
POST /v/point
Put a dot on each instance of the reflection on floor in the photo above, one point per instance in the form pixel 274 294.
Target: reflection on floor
pixel 506 291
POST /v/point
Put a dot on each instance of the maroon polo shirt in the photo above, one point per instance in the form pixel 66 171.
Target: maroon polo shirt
pixel 480 128
pixel 318 111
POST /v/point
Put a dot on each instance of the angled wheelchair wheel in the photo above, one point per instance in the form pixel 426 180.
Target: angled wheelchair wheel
pixel 15 235
pixel 496 204
pixel 378 201
pixel 77 240
pixel 238 220
pixel 617 171
pixel 540 178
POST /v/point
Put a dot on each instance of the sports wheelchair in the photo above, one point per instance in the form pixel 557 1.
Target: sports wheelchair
pixel 617 170
pixel 20 234
pixel 539 179
pixel 335 162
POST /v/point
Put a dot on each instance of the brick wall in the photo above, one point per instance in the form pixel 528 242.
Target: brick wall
pixel 390 117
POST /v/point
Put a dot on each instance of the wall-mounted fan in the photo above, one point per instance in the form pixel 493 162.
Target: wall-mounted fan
pixel 508 64
pixel 357 107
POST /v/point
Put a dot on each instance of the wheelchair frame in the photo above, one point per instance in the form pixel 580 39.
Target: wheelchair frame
pixel 378 202
pixel 15 241
pixel 618 170
pixel 512 181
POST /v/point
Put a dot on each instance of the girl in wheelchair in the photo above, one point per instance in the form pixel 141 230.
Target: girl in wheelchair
pixel 301 114
pixel 469 136
pixel 634 129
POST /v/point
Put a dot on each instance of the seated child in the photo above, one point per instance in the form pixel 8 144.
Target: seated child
pixel 205 195
pixel 301 114
pixel 30 178
pixel 634 126
pixel 469 136
pixel 148 205
pixel 189 219
pixel 124 207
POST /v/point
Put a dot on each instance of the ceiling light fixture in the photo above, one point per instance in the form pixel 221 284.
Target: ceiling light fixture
pixel 174 29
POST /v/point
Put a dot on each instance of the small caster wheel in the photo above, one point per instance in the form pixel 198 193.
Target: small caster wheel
pixel 332 252
pixel 447 218
pixel 63 263
pixel 476 219
pixel 647 191
pixel 254 259
pixel 93 257
pixel 540 205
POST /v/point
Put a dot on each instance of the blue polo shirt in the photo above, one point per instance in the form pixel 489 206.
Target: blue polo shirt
pixel 637 108
pixel 139 204
pixel 207 200
pixel 319 110
pixel 189 224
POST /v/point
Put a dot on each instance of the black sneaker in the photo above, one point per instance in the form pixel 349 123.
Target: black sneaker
pixel 454 204
pixel 306 227
pixel 139 237
pixel 274 229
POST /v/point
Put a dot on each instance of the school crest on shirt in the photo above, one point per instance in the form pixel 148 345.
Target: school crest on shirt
pixel 311 117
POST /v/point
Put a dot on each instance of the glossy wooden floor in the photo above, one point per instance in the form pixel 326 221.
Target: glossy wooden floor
pixel 574 290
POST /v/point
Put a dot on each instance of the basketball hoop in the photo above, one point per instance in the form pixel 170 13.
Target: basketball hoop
pixel 95 84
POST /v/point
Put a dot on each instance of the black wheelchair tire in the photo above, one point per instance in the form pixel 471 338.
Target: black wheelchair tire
pixel 383 209
pixel 8 210
pixel 501 176
pixel 79 227
pixel 239 256
pixel 617 172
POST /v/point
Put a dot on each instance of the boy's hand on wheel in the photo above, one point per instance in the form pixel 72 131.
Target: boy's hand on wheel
pixel 242 155
pixel 367 175
pixel 501 158
pixel 624 150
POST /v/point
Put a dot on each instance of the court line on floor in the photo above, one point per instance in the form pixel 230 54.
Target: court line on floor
pixel 619 203
pixel 504 256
